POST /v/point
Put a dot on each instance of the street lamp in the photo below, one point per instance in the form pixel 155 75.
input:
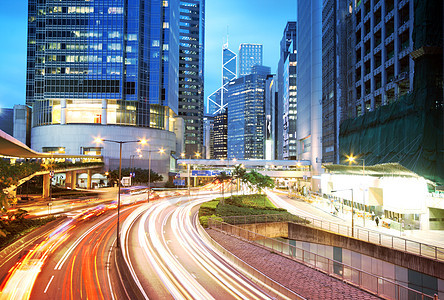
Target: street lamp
pixel 99 140
pixel 197 154
pixel 161 151
pixel 133 164
pixel 353 159
pixel 353 205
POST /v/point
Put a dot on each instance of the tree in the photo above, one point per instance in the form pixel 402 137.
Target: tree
pixel 141 175
pixel 239 173
pixel 222 177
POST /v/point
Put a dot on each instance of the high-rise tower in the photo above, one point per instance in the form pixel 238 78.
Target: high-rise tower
pixel 249 55
pixel 191 72
pixel 217 102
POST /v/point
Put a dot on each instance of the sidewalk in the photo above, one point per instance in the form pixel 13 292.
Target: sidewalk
pixel 429 237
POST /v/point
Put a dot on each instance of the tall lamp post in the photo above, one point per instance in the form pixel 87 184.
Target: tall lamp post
pixel 353 205
pixel 99 141
pixel 132 163
pixel 353 159
pixel 182 155
pixel 161 151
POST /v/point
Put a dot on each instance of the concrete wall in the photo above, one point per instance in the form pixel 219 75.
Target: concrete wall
pixel 400 258
pixel 270 230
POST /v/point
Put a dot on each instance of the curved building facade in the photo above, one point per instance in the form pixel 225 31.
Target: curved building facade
pixel 79 139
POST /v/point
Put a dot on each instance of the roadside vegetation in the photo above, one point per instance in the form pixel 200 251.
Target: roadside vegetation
pixel 254 208
pixel 16 225
pixel 140 176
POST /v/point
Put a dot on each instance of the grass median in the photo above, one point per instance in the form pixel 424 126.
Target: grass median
pixel 252 208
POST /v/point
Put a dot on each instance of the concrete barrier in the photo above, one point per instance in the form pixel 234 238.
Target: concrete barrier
pixel 407 260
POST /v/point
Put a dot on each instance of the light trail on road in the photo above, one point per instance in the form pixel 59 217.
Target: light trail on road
pixel 183 261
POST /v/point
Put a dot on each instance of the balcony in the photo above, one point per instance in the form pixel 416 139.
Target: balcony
pixel 377 70
pixel 389 39
pixel 377 5
pixel 389 86
pixel 367 16
pixel 378 92
pixel 389 15
pixel 377 48
pixel 367 37
pixel 404 52
pixel 368 76
pixel 389 62
pixel 402 3
pixel 377 26
pixel 404 27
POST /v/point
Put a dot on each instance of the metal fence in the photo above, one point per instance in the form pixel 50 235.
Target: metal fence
pixel 367 235
pixel 378 285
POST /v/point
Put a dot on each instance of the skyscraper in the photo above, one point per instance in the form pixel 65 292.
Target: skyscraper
pixel 220 136
pixel 216 102
pixel 271 117
pixel 249 55
pixel 287 85
pixel 191 71
pixel 246 115
pixel 309 84
pixel 335 22
pixel 382 41
pixel 96 63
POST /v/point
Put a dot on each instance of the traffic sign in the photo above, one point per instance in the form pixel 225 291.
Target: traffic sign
pixel 201 173
pixel 179 182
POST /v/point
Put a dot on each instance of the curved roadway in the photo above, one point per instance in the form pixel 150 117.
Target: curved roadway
pixel 169 259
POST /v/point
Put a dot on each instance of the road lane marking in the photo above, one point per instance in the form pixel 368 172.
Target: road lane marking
pixel 47 286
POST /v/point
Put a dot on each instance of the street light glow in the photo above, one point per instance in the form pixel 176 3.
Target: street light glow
pixel 351 158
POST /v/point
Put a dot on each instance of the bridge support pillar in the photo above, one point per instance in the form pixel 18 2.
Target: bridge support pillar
pixel 71 178
pixel 89 180
pixel 46 185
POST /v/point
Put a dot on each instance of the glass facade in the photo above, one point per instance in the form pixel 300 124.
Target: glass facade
pixel 108 62
pixel 191 72
pixel 287 106
pixel 309 83
pixel 249 55
pixel 246 115
pixel 216 102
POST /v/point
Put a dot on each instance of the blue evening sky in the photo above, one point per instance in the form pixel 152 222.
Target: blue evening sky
pixel 248 21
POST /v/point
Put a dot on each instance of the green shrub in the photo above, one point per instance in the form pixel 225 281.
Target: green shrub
pixel 204 220
pixel 14 229
pixel 208 208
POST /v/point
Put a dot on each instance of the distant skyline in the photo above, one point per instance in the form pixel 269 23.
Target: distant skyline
pixel 247 21
pixel 251 21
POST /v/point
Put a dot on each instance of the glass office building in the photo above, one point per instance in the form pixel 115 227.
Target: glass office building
pixel 191 73
pixel 246 115
pixel 309 83
pixel 249 55
pixel 217 102
pixel 103 62
pixel 98 62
